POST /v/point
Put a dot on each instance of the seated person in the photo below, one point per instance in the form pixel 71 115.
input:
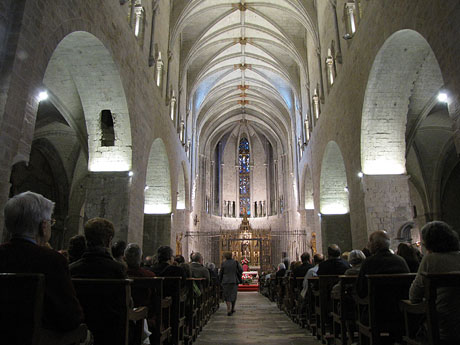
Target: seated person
pixel 443 255
pixel 382 261
pixel 334 265
pixel 104 312
pixel 118 250
pixel 355 259
pixel 281 270
pixel 133 259
pixel 28 221
pixel 96 261
pixel 197 268
pixel 77 246
pixel 165 267
pixel 301 271
pixel 409 253
pixel 179 260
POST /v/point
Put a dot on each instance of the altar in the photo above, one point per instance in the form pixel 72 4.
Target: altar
pixel 250 247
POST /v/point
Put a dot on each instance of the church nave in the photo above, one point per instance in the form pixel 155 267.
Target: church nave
pixel 256 321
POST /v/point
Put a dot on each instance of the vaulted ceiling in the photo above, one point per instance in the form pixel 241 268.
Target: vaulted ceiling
pixel 243 60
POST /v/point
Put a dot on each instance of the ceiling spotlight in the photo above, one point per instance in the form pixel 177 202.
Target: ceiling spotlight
pixel 442 97
pixel 42 96
pixel 360 174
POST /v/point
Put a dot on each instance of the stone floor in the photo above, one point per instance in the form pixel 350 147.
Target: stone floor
pixel 256 321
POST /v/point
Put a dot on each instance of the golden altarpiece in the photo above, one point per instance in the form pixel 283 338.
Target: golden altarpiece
pixel 245 242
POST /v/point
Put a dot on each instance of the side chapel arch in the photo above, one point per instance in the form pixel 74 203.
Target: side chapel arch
pixel 84 84
pixel 157 194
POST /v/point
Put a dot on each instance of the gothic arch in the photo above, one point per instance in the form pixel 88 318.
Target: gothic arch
pixel 333 184
pixel 83 80
pixel 157 194
pixel 404 76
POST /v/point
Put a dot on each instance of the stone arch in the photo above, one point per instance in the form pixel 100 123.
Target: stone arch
pixel 181 202
pixel 308 203
pixel 404 76
pixel 157 193
pixel 333 185
pixel 83 80
pixel 44 174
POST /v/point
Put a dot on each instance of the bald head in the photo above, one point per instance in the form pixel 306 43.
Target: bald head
pixel 379 240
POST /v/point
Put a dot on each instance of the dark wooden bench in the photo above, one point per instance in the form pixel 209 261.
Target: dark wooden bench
pixel 425 312
pixel 344 311
pixel 273 287
pixel 174 288
pixel 159 306
pixel 280 292
pixel 379 317
pixel 108 309
pixel 21 313
pixel 323 306
pixel 194 309
pixel 311 302
pixel 299 315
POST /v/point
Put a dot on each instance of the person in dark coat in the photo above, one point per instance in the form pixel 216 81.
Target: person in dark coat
pixel 77 246
pixel 103 312
pixel 409 253
pixel 165 267
pixel 28 221
pixel 382 261
pixel 228 277
pixel 281 272
pixel 197 268
pixel 96 261
pixel 334 265
pixel 302 270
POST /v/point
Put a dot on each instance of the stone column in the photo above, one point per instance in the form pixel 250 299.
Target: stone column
pixel 387 203
pixel 107 196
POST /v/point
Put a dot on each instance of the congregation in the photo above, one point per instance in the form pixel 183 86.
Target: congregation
pixel 357 269
pixel 28 219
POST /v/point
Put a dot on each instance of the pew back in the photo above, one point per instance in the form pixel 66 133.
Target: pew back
pixel 379 313
pixel 21 301
pixel 436 284
pixel 106 304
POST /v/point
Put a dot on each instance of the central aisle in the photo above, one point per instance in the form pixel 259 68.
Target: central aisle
pixel 256 321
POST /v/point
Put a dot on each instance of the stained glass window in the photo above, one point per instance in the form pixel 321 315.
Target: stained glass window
pixel 245 185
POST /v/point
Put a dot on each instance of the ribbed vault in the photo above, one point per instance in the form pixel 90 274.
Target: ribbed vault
pixel 243 60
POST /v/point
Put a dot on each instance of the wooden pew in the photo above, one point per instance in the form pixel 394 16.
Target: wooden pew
pixel 108 310
pixel 280 292
pixel 173 288
pixel 323 306
pixel 416 313
pixel 21 313
pixel 273 287
pixel 312 301
pixel 379 317
pixel 344 311
pixel 300 315
pixel 193 309
pixel 159 306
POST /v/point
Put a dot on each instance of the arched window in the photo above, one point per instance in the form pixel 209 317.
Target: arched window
pixel 245 185
pixel 108 133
